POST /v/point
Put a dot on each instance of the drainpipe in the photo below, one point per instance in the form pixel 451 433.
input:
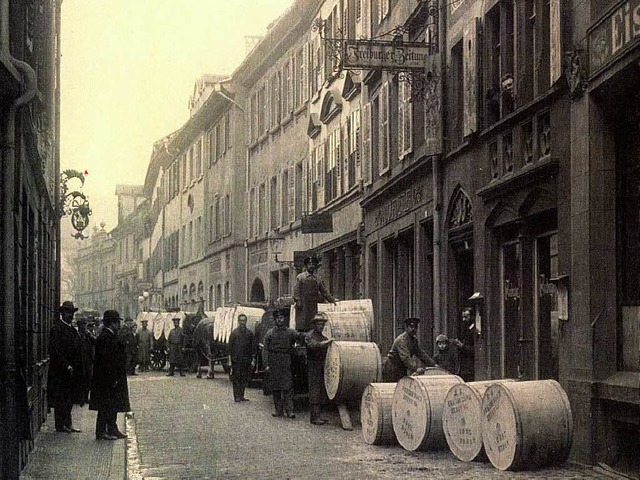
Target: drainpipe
pixel 8 194
pixel 439 319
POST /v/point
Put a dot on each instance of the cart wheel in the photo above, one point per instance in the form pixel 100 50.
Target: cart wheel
pixel 158 359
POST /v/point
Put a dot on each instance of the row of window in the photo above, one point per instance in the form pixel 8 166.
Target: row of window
pixel 207 149
pixel 302 73
pixel 515 60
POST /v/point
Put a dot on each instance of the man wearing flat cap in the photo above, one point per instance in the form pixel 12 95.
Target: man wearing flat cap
pixel 145 344
pixel 317 345
pixel 66 384
pixel 308 291
pixel 406 357
pixel 279 345
pixel 109 388
pixel 176 343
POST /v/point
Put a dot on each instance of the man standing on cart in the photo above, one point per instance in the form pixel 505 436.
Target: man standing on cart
pixel 308 291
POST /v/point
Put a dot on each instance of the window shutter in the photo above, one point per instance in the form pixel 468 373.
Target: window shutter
pixel 384 127
pixel 402 86
pixel 304 186
pixel 366 19
pixel 555 41
pixel 292 194
pixel 433 106
pixel 339 160
pixel 470 46
pixel 320 174
pixel 305 73
pixel 345 154
pixel 356 139
pixel 366 143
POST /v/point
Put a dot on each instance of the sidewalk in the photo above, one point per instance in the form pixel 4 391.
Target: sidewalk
pixel 76 456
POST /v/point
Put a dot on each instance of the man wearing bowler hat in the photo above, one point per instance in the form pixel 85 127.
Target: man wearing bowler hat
pixel 406 357
pixel 109 388
pixel 308 291
pixel 66 384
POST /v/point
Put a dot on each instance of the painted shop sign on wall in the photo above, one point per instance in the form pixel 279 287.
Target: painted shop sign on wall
pixel 363 54
pixel 614 35
pixel 398 206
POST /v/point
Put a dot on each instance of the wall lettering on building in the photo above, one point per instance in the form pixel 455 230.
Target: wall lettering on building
pixel 361 54
pixel 614 35
pixel 399 205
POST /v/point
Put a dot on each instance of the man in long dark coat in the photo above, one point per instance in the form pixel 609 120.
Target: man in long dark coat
pixel 317 345
pixel 88 346
pixel 308 291
pixel 145 343
pixel 175 342
pixel 465 344
pixel 128 337
pixel 242 350
pixel 406 357
pixel 109 388
pixel 279 343
pixel 66 384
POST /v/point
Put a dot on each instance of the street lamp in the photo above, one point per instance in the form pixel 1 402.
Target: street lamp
pixel 276 242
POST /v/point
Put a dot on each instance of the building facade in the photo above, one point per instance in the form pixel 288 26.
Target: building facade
pixel 499 173
pixel 30 212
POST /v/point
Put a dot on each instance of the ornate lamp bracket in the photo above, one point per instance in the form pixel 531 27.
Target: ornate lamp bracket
pixel 74 203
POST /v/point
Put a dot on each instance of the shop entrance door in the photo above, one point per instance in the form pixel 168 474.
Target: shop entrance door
pixel 529 307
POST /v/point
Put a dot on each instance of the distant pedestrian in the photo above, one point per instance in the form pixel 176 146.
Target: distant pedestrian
pixel 317 345
pixel 66 383
pixel 145 344
pixel 88 345
pixel 406 357
pixel 176 344
pixel 128 337
pixel 242 350
pixel 109 388
pixel 447 356
pixel 465 344
pixel 279 344
pixel 308 291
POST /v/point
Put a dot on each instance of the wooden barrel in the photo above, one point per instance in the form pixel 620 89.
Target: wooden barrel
pixel 526 424
pixel 461 419
pixel 375 414
pixel 350 326
pixel 416 410
pixel 349 368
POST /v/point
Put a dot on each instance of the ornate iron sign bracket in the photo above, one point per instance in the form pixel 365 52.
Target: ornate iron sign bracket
pixel 74 203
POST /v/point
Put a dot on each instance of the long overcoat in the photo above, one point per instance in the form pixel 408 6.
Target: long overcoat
pixel 316 356
pixel 175 342
pixel 109 388
pixel 65 387
pixel 145 341
pixel 308 291
pixel 279 345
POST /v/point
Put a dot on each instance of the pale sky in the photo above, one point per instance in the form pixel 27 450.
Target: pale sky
pixel 128 69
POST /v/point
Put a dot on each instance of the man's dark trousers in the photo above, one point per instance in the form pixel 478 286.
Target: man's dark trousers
pixel 240 377
pixel 106 422
pixel 62 415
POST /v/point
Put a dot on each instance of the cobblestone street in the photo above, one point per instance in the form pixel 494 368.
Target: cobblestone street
pixel 191 428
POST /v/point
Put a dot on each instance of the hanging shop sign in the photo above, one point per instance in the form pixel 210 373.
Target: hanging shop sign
pixel 614 35
pixel 385 55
